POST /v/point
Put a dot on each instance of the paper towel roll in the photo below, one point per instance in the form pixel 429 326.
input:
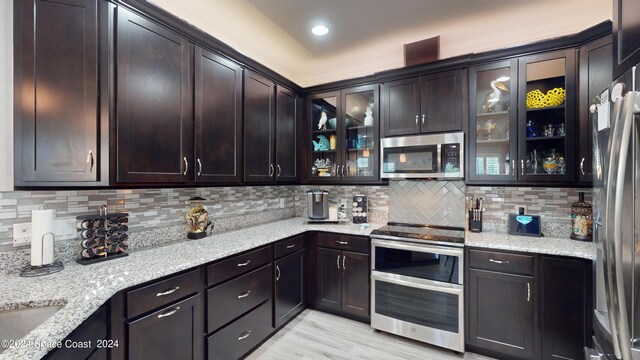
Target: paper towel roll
pixel 42 240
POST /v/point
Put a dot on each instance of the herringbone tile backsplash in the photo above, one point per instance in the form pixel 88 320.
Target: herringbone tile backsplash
pixel 427 202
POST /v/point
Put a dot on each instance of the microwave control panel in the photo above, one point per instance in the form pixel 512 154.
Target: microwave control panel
pixel 450 158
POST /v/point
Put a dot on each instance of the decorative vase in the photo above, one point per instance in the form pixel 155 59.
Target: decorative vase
pixel 581 219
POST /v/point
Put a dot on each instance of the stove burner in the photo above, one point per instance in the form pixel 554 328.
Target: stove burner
pixel 422 232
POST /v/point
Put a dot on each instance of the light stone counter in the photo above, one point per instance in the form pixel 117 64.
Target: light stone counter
pixel 83 289
pixel 541 245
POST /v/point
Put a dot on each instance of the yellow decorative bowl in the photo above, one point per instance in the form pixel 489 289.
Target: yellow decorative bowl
pixel 537 100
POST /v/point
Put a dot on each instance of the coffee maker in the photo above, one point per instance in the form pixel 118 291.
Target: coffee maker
pixel 318 204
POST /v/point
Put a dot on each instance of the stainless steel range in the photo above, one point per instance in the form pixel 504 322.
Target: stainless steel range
pixel 417 283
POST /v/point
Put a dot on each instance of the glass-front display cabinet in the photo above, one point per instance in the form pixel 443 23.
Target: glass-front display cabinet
pixel 546 117
pixel 344 135
pixel 522 120
pixel 494 118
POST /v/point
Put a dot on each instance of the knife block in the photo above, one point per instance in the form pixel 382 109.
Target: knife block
pixel 475 225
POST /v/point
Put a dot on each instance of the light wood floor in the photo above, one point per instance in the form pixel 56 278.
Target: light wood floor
pixel 316 335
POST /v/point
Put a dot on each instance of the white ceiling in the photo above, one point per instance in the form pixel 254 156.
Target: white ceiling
pixel 367 36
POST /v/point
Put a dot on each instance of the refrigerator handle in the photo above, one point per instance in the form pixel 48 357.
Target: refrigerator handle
pixel 627 124
pixel 613 151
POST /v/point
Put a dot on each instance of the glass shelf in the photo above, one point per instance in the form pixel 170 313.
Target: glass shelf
pixel 540 138
pixel 497 113
pixel 561 107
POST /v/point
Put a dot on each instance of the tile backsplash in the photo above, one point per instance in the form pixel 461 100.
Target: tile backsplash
pixel 552 204
pixel 427 202
pixel 377 197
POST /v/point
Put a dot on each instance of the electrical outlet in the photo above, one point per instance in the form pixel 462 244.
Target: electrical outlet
pixel 517 208
pixel 343 202
pixel 21 234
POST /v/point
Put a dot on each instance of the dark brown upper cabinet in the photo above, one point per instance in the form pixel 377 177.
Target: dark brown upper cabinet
pixel 512 140
pixel 426 104
pixel 154 126
pixel 547 134
pixel 344 135
pixel 595 76
pixel 218 118
pixel 626 36
pixel 61 121
pixel 269 131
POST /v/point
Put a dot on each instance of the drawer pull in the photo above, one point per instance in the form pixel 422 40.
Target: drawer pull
pixel 528 292
pixel 499 261
pixel 169 313
pixel 244 294
pixel 244 335
pixel 342 242
pixel 277 273
pixel 168 292
pixel 291 246
pixel 244 263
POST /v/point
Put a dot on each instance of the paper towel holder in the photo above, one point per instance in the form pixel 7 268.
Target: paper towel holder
pixel 54 267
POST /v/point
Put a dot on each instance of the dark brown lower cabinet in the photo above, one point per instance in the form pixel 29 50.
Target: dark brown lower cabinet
pixel 289 287
pixel 501 315
pixel 567 307
pixel 173 332
pixel 342 278
pixel 242 335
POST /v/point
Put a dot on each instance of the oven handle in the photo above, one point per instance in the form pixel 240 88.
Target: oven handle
pixel 419 284
pixel 390 244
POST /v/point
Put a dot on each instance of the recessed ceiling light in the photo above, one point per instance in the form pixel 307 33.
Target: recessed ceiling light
pixel 320 30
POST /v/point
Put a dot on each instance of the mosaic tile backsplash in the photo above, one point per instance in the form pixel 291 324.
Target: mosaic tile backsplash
pixel 377 197
pixel 552 204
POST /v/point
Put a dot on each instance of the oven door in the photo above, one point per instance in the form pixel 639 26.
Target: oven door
pixel 429 262
pixel 419 309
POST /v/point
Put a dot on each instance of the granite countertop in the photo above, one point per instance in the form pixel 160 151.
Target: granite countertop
pixel 83 289
pixel 540 245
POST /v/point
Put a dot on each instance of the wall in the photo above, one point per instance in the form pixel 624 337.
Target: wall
pixel 552 204
pixel 377 197
pixel 6 95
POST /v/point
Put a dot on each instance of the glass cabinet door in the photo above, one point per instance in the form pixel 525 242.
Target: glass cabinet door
pixel 325 159
pixel 360 125
pixel 546 117
pixel 493 129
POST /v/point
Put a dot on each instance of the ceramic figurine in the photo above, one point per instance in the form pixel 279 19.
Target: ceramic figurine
pixel 322 124
pixel 342 212
pixel 498 100
pixel 322 144
pixel 368 115
pixel 333 142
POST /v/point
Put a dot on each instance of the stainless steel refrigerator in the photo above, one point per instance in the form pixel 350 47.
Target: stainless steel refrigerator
pixel 616 187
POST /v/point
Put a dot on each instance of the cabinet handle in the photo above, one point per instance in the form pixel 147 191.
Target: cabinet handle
pixel 582 166
pixel 244 263
pixel 342 170
pixel 522 167
pixel 186 165
pixel 342 242
pixel 244 335
pixel 279 171
pixel 291 246
pixel 338 261
pixel 513 168
pixel 344 258
pixel 417 123
pixel 169 313
pixel 499 261
pixel 271 170
pixel 244 294
pixel 199 167
pixel 528 292
pixel 168 292
pixel 90 161
pixel 277 273
pixel 422 119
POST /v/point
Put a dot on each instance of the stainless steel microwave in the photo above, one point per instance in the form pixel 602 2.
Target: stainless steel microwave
pixel 439 156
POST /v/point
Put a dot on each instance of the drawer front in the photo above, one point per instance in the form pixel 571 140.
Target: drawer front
pixel 501 262
pixel 289 246
pixel 163 292
pixel 242 335
pixel 239 264
pixel 229 300
pixel 359 244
